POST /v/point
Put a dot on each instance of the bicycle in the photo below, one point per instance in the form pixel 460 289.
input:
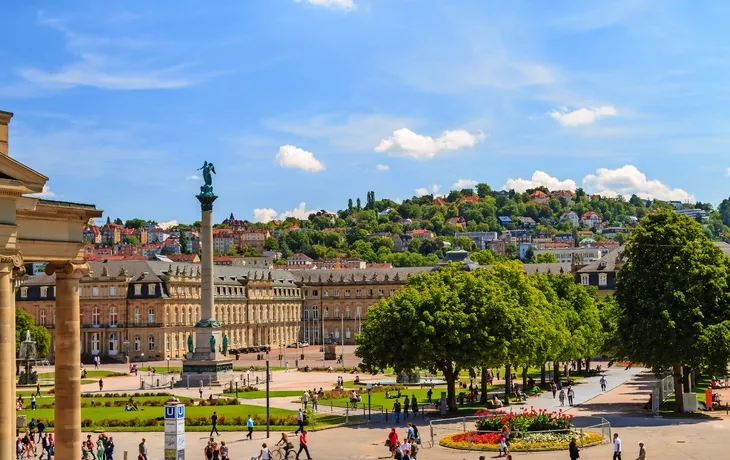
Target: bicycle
pixel 278 454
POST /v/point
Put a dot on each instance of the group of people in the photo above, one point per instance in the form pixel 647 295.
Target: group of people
pixel 313 397
pixel 27 446
pixel 102 449
pixel 215 451
pixel 408 404
pixel 408 449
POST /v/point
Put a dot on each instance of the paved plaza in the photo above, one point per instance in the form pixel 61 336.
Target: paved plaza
pixel 622 405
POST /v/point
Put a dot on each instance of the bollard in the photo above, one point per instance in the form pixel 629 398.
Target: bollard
pixel 125 455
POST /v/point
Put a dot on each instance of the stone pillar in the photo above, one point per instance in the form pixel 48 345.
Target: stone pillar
pixel 7 355
pixel 206 264
pixel 67 411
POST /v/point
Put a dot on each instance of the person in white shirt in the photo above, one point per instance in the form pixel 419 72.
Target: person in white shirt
pixel 406 448
pixel 616 447
pixel 264 454
pixel 603 383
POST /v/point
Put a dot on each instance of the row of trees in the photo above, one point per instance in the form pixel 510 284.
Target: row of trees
pixel 453 320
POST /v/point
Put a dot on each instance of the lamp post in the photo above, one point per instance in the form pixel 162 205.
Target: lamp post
pixel 236 382
pixel 342 331
pixel 268 422
pixel 168 364
pixel 370 391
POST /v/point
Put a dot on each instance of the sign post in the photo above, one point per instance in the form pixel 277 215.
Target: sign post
pixel 174 431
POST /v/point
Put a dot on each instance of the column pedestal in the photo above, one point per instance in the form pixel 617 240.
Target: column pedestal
pixel 67 411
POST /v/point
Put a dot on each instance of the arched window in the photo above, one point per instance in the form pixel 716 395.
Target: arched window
pixel 347 312
pixel 347 332
pixel 95 343
pixel 95 317
pixel 326 313
pixel 306 313
pixel 167 317
pixel 337 312
pixel 190 315
pixel 177 316
pixel 113 343
pixel 175 343
pixel 137 343
pixel 42 317
pixel 151 343
pixel 357 312
pixel 196 314
pixel 315 312
pixel 151 316
pixel 337 332
pixel 137 316
pixel 113 316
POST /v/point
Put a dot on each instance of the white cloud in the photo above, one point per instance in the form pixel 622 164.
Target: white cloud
pixel 46 193
pixel 628 180
pixel 404 142
pixel 382 167
pixel 193 177
pixel 264 214
pixel 166 225
pixel 108 62
pixel 728 171
pixel 333 4
pixel 268 214
pixel 539 179
pixel 461 184
pixel 433 189
pixel 584 116
pixel 290 156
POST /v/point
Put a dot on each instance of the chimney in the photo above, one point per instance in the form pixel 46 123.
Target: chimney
pixel 4 122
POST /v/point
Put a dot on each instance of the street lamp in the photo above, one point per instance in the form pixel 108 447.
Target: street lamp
pixel 370 390
pixel 168 364
pixel 236 382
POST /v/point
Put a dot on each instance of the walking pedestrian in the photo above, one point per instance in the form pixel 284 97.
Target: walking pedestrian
pixel 571 394
pixel 143 450
pixel 414 405
pixel 200 390
pixel 616 447
pixel 642 452
pixel 300 421
pixel 101 385
pixel 573 449
pixel 305 399
pixel 303 445
pixel 41 429
pixel 214 421
pixel 249 425
pixel 406 407
pixel 32 402
pixel 38 388
pixel 109 449
pixel 554 388
pixel 396 411
pixel 561 397
pixel 315 401
pixel 603 383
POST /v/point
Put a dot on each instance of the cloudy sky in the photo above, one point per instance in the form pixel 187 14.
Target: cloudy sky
pixel 302 104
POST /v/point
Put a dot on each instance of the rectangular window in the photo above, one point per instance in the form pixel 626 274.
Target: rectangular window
pixel 336 293
pixel 347 293
pixel 603 279
pixel 81 291
pixel 137 289
pixel 380 292
pixel 150 289
pixel 44 291
pixel 370 292
pixel 358 293
pixel 392 292
pixel 112 291
pixel 315 292
pixel 585 279
pixel 325 293
pixel 95 292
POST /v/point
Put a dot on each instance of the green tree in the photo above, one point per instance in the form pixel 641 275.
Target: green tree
pixel 135 223
pixel 184 243
pixel 511 251
pixel 271 244
pixel 131 239
pixel 544 258
pixel 24 322
pixel 672 297
pixel 529 254
pixel 249 251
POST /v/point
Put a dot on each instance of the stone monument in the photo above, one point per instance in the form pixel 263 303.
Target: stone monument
pixel 206 364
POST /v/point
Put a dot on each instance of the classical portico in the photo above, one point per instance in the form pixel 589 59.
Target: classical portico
pixel 38 230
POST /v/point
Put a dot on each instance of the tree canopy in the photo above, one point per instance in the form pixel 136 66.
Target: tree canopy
pixel 24 322
pixel 672 297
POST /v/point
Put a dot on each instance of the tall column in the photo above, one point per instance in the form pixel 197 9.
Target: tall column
pixel 7 355
pixel 206 263
pixel 67 412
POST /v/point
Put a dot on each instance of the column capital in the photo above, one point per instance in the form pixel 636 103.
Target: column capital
pixel 15 260
pixel 67 269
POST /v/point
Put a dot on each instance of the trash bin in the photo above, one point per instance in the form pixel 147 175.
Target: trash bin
pixel 20 421
pixel 301 356
pixel 237 356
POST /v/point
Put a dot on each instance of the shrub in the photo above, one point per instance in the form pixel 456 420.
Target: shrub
pixel 523 421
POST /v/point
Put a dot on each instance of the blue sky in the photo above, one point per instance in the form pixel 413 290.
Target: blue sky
pixel 302 104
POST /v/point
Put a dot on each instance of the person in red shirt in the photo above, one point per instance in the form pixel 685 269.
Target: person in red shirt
pixel 303 445
pixel 393 441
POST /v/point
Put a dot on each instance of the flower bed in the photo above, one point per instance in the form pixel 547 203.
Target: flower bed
pixel 523 421
pixel 540 441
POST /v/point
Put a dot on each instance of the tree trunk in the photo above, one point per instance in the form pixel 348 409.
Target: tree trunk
pixel 542 374
pixel 556 371
pixel 686 371
pixel 483 397
pixel 507 383
pixel 524 378
pixel 588 364
pixel 678 402
pixel 450 377
pixel 578 362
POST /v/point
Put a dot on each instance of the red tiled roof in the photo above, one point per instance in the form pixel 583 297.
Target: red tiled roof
pixel 439 202
pixel 539 194
pixel 469 199
pixel 222 259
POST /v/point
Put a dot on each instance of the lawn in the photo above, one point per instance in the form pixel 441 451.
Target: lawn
pixel 90 374
pixel 260 394
pixel 667 407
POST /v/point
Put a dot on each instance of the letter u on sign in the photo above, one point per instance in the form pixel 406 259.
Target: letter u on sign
pixel 180 411
pixel 169 411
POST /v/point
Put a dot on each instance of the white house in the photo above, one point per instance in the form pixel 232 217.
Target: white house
pixel 591 219
pixel 571 217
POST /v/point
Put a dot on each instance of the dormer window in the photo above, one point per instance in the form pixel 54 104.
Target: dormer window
pixel 44 292
pixel 137 289
pixel 150 289
pixel 23 292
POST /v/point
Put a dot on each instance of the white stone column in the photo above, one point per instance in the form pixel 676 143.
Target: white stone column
pixel 206 264
pixel 7 355
pixel 67 411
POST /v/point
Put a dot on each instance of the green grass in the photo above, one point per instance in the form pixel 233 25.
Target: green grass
pixel 666 409
pixel 93 374
pixel 259 394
